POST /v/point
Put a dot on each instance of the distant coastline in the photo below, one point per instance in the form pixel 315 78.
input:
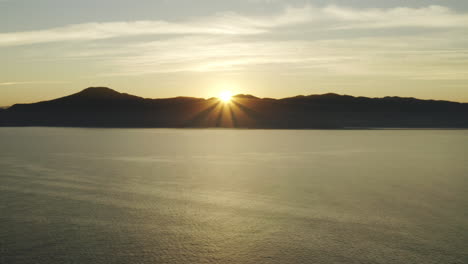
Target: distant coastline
pixel 101 107
pixel 254 129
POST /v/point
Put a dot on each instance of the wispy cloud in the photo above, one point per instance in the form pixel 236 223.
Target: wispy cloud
pixel 223 24
pixel 312 41
pixel 426 17
pixel 329 17
pixel 384 56
pixel 218 55
pixel 95 31
pixel 30 82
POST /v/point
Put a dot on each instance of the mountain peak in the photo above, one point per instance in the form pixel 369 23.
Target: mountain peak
pixel 98 91
pixel 101 93
pixel 245 96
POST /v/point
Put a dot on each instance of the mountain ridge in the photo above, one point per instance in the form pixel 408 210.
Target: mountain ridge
pixel 105 91
pixel 104 107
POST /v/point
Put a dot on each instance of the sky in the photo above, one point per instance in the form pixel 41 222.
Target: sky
pixel 268 48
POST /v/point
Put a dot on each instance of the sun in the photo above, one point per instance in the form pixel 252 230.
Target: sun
pixel 225 96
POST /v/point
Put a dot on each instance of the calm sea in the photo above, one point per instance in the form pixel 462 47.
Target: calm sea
pixel 72 195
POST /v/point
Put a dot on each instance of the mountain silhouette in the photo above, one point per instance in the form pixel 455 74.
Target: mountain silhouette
pixel 104 107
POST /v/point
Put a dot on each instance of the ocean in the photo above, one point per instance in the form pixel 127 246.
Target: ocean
pixel 73 195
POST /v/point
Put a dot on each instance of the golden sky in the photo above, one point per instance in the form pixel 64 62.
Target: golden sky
pixel 268 48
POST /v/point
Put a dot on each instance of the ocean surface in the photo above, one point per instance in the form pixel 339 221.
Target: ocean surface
pixel 70 195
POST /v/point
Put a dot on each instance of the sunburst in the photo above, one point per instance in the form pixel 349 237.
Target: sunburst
pixel 225 96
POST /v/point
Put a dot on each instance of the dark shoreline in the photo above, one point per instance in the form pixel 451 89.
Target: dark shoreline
pixel 244 128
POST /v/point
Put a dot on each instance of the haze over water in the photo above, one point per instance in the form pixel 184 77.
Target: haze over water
pixel 233 196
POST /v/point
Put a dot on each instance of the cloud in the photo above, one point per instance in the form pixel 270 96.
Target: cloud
pixel 223 24
pixel 30 82
pixel 382 56
pixel 96 31
pixel 309 41
pixel 426 17
pixel 328 18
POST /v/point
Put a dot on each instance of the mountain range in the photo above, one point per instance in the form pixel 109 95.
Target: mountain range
pixel 104 107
